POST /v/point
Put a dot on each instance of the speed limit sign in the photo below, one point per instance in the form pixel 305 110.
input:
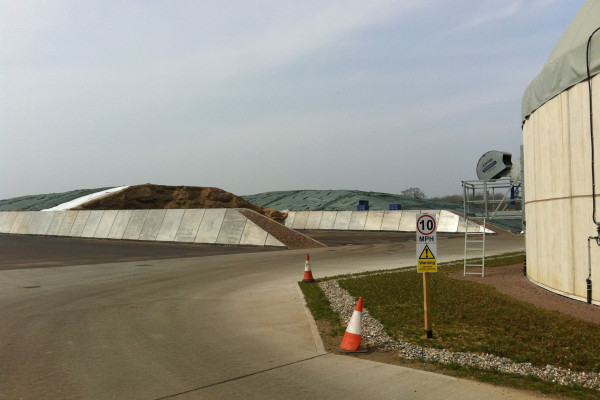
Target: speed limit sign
pixel 426 243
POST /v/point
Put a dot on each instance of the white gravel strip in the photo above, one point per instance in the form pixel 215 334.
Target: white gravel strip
pixel 374 336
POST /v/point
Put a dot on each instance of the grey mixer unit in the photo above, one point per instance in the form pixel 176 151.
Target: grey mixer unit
pixel 494 165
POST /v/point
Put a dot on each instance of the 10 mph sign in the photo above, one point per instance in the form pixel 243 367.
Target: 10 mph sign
pixel 426 243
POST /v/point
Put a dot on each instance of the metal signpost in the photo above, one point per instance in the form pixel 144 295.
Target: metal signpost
pixel 426 261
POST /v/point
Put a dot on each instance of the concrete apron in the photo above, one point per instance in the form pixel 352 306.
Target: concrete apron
pixel 212 327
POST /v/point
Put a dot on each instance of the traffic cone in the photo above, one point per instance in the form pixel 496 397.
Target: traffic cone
pixel 307 272
pixel 352 337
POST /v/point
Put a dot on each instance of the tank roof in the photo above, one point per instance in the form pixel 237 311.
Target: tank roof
pixel 566 65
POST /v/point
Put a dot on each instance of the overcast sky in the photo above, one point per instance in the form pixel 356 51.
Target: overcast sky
pixel 256 96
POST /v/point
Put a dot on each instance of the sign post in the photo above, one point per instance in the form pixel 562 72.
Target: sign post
pixel 426 261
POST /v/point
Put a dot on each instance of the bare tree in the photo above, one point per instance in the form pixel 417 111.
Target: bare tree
pixel 414 192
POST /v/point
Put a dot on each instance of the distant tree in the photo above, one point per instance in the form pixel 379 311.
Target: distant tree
pixel 415 193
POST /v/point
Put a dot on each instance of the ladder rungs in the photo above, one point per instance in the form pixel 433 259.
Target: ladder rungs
pixel 474 250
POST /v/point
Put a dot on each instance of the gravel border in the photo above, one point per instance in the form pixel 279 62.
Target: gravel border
pixel 374 336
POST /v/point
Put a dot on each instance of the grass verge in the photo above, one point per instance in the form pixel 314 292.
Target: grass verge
pixel 471 317
pixel 321 310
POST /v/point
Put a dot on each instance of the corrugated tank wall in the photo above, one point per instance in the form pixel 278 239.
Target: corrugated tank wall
pixel 558 192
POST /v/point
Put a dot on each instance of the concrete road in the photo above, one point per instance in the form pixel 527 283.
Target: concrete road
pixel 214 327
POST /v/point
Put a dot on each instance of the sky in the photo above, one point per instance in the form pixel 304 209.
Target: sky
pixel 256 96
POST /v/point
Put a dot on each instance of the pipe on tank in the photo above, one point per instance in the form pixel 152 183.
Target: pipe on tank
pixel 589 81
pixel 588 281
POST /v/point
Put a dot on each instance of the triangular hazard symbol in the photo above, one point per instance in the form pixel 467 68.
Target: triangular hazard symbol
pixel 426 254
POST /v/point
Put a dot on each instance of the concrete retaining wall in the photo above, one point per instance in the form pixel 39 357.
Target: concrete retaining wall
pixel 219 225
pixel 211 226
pixel 376 220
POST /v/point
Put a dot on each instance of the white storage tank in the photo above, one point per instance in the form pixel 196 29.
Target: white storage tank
pixel 557 155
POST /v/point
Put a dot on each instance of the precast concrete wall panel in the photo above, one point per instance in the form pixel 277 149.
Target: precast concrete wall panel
pixel 435 213
pixel 152 224
pixel 47 218
pixel 289 220
pixel 135 225
pixel 106 223
pixel 3 216
pixel 448 222
pixel 358 221
pixel 314 219
pixel 210 225
pixel 328 220
pixel 188 229
pixel 17 222
pixel 36 221
pixel 271 241
pixel 374 220
pixel 67 223
pixel 300 220
pixel 14 218
pixel 391 220
pixel 120 224
pixel 470 225
pixel 170 225
pixel 92 223
pixel 79 223
pixel 232 228
pixel 253 235
pixel 10 218
pixel 24 228
pixel 57 220
pixel 462 226
pixel 342 220
pixel 408 222
pixel 475 227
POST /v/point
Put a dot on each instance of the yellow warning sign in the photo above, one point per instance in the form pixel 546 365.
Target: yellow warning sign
pixel 427 261
pixel 426 254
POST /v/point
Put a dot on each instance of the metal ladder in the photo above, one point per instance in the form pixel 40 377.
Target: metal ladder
pixel 474 248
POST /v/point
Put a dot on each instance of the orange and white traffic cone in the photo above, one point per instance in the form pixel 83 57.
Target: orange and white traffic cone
pixel 353 335
pixel 307 272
